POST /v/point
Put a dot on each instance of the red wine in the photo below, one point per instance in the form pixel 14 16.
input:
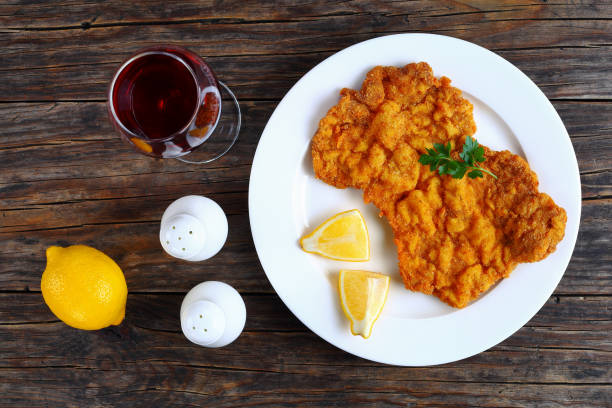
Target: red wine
pixel 155 96
pixel 165 101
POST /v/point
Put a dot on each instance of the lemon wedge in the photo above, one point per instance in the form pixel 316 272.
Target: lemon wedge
pixel 343 237
pixel 362 295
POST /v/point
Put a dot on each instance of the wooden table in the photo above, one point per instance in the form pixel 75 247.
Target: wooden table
pixel 66 178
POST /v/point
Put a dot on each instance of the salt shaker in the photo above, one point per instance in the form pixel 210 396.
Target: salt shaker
pixel 193 228
pixel 212 314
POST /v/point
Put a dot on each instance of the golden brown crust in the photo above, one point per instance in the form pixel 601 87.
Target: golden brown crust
pixel 455 238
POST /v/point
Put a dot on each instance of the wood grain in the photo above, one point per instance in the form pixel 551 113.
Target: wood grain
pixel 553 350
pixel 565 315
pixel 70 192
pixel 55 138
pixel 62 62
pixel 166 384
pixel 88 14
pixel 266 59
pixel 146 267
pixel 65 177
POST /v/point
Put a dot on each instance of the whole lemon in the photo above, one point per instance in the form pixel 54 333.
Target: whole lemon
pixel 83 287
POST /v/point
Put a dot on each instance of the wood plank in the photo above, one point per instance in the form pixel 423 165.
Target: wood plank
pixel 88 13
pixel 593 153
pixel 117 361
pixel 78 140
pixel 585 118
pixel 32 124
pixel 74 140
pixel 550 70
pixel 163 384
pixel 23 346
pixel 265 60
pixel 160 311
pixel 147 268
pixel 65 178
pixel 588 124
pixel 568 322
pixel 140 197
pixel 145 265
pixel 592 252
pixel 597 185
pixel 132 348
pixel 96 181
pixel 111 207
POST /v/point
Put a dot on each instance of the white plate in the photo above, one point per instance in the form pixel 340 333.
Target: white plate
pixel 286 201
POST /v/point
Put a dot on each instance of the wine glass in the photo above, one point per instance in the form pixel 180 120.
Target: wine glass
pixel 167 103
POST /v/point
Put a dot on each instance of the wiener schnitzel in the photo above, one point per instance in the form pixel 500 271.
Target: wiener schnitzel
pixel 455 237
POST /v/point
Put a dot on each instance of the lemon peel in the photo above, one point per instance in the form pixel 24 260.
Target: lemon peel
pixel 83 287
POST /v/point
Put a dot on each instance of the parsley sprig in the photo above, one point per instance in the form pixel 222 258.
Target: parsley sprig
pixel 439 157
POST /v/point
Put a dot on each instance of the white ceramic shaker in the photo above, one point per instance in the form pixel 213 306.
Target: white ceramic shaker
pixel 193 228
pixel 212 314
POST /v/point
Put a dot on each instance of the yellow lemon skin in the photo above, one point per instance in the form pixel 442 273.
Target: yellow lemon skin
pixel 83 287
pixel 141 145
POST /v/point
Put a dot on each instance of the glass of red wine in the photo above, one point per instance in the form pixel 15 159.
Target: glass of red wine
pixel 167 102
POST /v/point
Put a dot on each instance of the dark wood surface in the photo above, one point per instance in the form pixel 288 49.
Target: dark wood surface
pixel 66 178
